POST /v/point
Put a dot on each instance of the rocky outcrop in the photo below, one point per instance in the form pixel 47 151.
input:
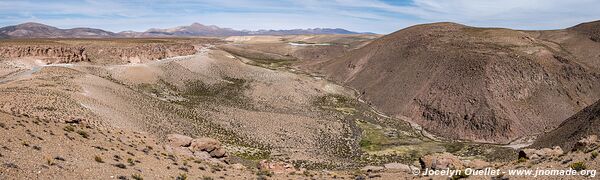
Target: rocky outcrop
pixel 139 53
pixel 95 53
pixel 202 148
pixel 50 53
pixel 446 160
pixel 586 144
pixel 178 140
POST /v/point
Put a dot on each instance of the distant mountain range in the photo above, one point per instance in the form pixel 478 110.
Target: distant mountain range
pixel 37 30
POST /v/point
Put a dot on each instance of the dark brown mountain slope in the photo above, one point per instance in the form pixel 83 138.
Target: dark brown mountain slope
pixel 586 122
pixel 591 29
pixel 481 84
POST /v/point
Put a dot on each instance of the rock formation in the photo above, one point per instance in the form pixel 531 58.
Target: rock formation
pixel 96 53
pixel 203 148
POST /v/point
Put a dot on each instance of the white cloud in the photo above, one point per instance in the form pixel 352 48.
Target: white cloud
pixel 358 15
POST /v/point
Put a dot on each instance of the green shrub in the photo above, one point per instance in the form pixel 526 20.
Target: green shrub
pixel 594 154
pixel 69 128
pixel 137 177
pixel 578 166
pixel 130 161
pixel 181 177
pixel 98 159
pixel 83 134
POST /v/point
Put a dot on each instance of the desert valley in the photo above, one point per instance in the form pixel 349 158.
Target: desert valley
pixel 205 102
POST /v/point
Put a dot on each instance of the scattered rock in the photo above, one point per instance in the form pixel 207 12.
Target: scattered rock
pixel 10 165
pixel 202 148
pixel 59 158
pixel 276 167
pixel 478 164
pixel 586 143
pixel 541 153
pixel 74 121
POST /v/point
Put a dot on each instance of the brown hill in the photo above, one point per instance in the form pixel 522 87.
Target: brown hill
pixel 481 84
pixel 592 29
pixel 586 122
pixel 36 30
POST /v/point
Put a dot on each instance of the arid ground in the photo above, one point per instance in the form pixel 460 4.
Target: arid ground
pixel 297 106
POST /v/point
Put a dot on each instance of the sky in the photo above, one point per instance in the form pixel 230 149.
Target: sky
pixel 378 16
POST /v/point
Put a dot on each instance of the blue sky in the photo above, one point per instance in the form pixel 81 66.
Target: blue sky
pixel 379 16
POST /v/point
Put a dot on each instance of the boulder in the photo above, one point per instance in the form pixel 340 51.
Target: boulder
pixel 178 140
pixel 218 153
pixel 238 166
pixel 202 155
pixel 180 151
pixel 586 143
pixel 441 161
pixel 205 144
pixel 541 153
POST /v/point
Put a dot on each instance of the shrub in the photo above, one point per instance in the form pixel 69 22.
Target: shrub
pixel 83 134
pixel 522 160
pixel 594 154
pixel 578 166
pixel 69 128
pixel 137 177
pixel 98 159
pixel 181 177
pixel 264 173
pixel 50 162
